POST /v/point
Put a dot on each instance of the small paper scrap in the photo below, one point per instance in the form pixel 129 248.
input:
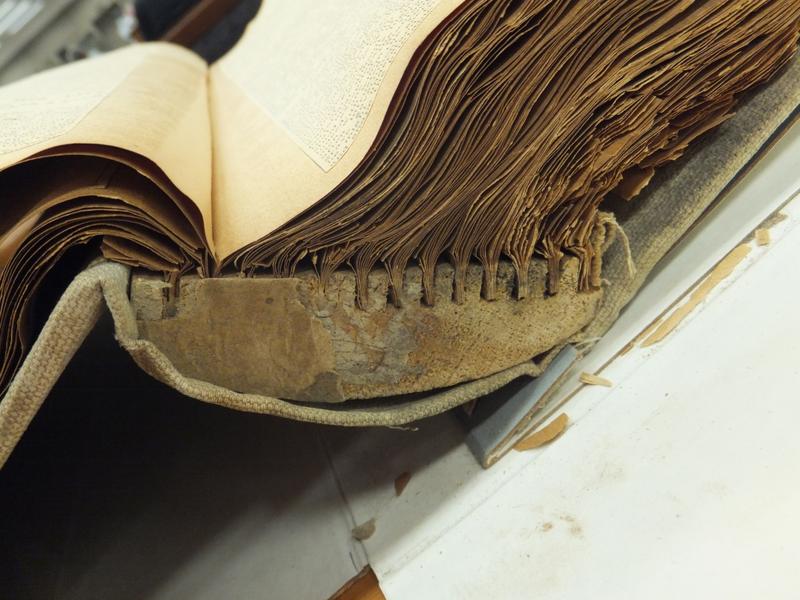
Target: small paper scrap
pixel 722 271
pixel 591 379
pixel 364 531
pixel 545 435
pixel 401 482
pixel 762 236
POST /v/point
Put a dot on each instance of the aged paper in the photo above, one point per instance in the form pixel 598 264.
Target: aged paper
pixel 315 68
pixel 149 99
pixel 298 103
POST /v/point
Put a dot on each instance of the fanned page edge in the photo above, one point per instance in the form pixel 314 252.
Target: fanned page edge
pixel 135 83
pixel 262 178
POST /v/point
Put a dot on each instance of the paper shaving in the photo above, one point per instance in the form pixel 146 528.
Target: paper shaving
pixel 401 482
pixel 721 272
pixel 591 379
pixel 545 435
pixel 364 531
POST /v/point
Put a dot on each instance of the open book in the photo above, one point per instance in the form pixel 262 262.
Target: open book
pixel 360 133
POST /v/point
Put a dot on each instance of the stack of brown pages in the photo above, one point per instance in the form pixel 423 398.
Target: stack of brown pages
pixel 361 134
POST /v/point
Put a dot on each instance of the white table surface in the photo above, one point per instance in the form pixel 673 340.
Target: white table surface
pixel 680 481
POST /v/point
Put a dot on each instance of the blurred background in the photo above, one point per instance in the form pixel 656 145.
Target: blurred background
pixel 39 34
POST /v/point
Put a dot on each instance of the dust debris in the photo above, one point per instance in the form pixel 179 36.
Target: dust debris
pixel 469 407
pixel 402 428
